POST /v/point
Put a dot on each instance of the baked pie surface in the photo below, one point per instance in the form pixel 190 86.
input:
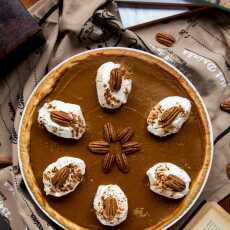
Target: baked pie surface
pixel 74 82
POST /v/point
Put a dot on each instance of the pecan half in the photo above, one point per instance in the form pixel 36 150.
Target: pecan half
pixel 225 106
pixel 131 147
pixel 228 170
pixel 100 147
pixel 122 162
pixel 115 79
pixel 110 207
pixel 110 133
pixel 168 116
pixel 58 180
pixel 175 183
pixel 61 118
pixel 165 39
pixel 125 134
pixel 108 162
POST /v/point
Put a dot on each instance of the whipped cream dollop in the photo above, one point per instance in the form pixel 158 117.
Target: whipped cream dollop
pixel 161 181
pixel 111 205
pixel 108 98
pixel 62 119
pixel 168 116
pixel 63 176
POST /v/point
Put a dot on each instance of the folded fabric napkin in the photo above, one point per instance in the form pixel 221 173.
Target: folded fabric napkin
pixel 17 28
pixel 201 52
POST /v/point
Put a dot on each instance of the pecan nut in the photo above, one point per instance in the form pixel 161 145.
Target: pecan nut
pixel 175 183
pixel 108 162
pixel 61 118
pixel 110 208
pixel 58 180
pixel 115 79
pixel 100 147
pixel 122 162
pixel 125 134
pixel 228 170
pixel 165 39
pixel 110 133
pixel 225 106
pixel 131 147
pixel 169 115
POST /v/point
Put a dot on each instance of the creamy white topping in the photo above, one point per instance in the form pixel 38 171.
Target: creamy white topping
pixel 74 132
pixel 156 127
pixel 106 97
pixel 74 178
pixel 114 191
pixel 159 172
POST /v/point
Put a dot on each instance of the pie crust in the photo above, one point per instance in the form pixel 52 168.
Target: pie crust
pixel 48 84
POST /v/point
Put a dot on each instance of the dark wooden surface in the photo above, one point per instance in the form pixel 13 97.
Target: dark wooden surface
pixel 225 203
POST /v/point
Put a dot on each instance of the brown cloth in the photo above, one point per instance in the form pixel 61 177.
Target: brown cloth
pixel 201 52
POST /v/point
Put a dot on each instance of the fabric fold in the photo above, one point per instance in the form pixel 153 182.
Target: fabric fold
pixel 73 20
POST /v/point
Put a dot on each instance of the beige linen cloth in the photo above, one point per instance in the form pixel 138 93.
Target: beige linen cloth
pixel 202 52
